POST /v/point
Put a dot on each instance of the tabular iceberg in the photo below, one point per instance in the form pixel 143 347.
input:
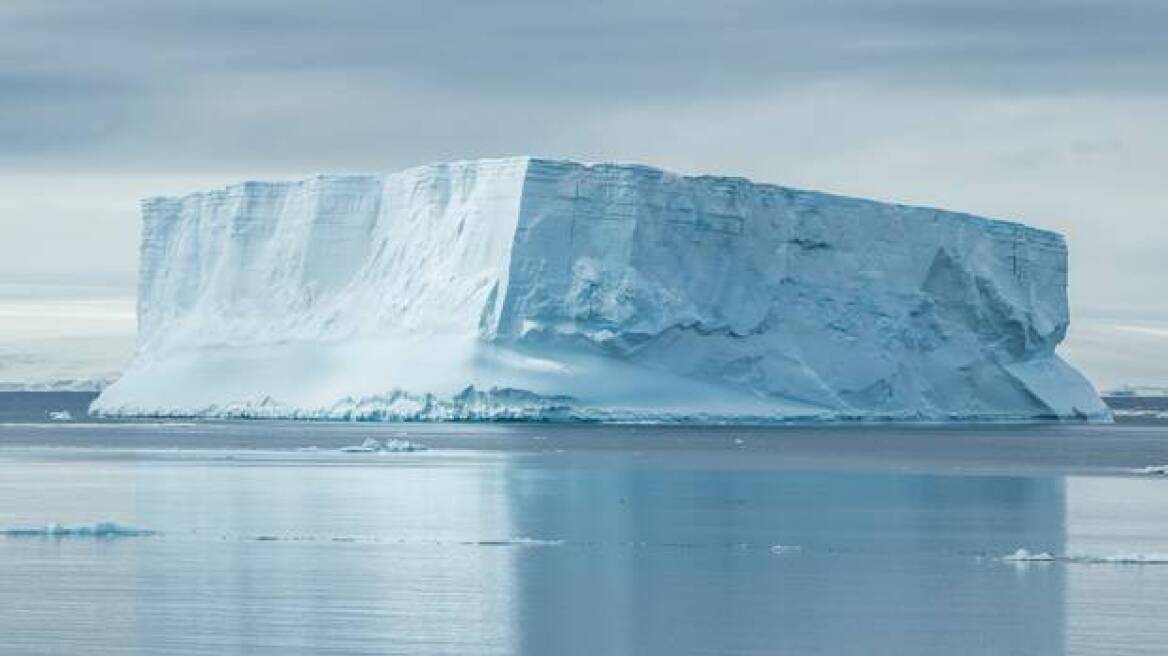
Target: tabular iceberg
pixel 526 288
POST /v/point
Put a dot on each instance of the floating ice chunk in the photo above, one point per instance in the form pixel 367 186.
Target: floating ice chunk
pixel 60 415
pixel 785 548
pixel 519 542
pixel 536 542
pixel 371 445
pixel 403 445
pixel 1026 556
pixel 98 530
pixel 368 446
pixel 1161 470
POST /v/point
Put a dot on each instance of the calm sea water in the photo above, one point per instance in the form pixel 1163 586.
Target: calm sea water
pixel 540 539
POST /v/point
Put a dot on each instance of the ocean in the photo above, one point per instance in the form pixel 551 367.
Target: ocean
pixel 265 537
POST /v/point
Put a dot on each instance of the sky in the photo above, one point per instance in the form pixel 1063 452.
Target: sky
pixel 1049 112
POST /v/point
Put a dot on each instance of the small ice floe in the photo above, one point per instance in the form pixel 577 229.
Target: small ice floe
pixel 270 537
pixel 368 446
pixel 1027 556
pixel 403 445
pixel 60 415
pixel 785 548
pixel 1152 470
pixel 518 542
pixel 392 445
pixel 98 530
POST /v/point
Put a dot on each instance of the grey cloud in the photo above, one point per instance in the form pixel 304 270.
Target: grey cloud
pixel 106 82
pixel 1048 111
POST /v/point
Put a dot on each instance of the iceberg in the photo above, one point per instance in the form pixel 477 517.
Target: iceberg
pixel 536 289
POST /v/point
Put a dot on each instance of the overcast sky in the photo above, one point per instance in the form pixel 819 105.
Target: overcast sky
pixel 1052 112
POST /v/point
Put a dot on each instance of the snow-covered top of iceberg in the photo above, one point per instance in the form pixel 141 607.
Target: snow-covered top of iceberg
pixel 525 287
pixel 250 187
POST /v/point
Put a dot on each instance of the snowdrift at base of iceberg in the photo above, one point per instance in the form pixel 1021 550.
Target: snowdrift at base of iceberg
pixel 531 289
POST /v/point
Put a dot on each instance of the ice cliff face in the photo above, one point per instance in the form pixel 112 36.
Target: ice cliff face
pixel 529 288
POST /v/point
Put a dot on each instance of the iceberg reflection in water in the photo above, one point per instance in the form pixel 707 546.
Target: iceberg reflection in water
pixel 563 551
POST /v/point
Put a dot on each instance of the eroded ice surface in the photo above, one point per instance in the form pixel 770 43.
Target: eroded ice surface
pixel 535 289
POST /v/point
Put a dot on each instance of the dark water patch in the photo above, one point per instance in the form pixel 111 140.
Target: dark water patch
pixel 37 406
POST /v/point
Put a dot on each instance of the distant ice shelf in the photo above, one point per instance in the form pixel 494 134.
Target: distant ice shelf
pixel 61 385
pixel 536 289
pixel 97 530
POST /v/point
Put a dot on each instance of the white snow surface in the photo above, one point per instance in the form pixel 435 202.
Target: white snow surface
pixel 527 288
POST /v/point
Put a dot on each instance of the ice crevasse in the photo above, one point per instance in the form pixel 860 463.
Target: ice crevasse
pixel 526 288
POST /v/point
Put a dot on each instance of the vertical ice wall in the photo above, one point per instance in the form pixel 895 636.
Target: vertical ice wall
pixel 860 306
pixel 329 258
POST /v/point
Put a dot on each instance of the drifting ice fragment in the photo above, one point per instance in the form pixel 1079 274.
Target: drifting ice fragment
pixel 392 445
pixel 1026 556
pixel 403 445
pixel 368 446
pixel 518 542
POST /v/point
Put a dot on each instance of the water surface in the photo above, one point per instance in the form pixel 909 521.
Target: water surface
pixel 580 540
